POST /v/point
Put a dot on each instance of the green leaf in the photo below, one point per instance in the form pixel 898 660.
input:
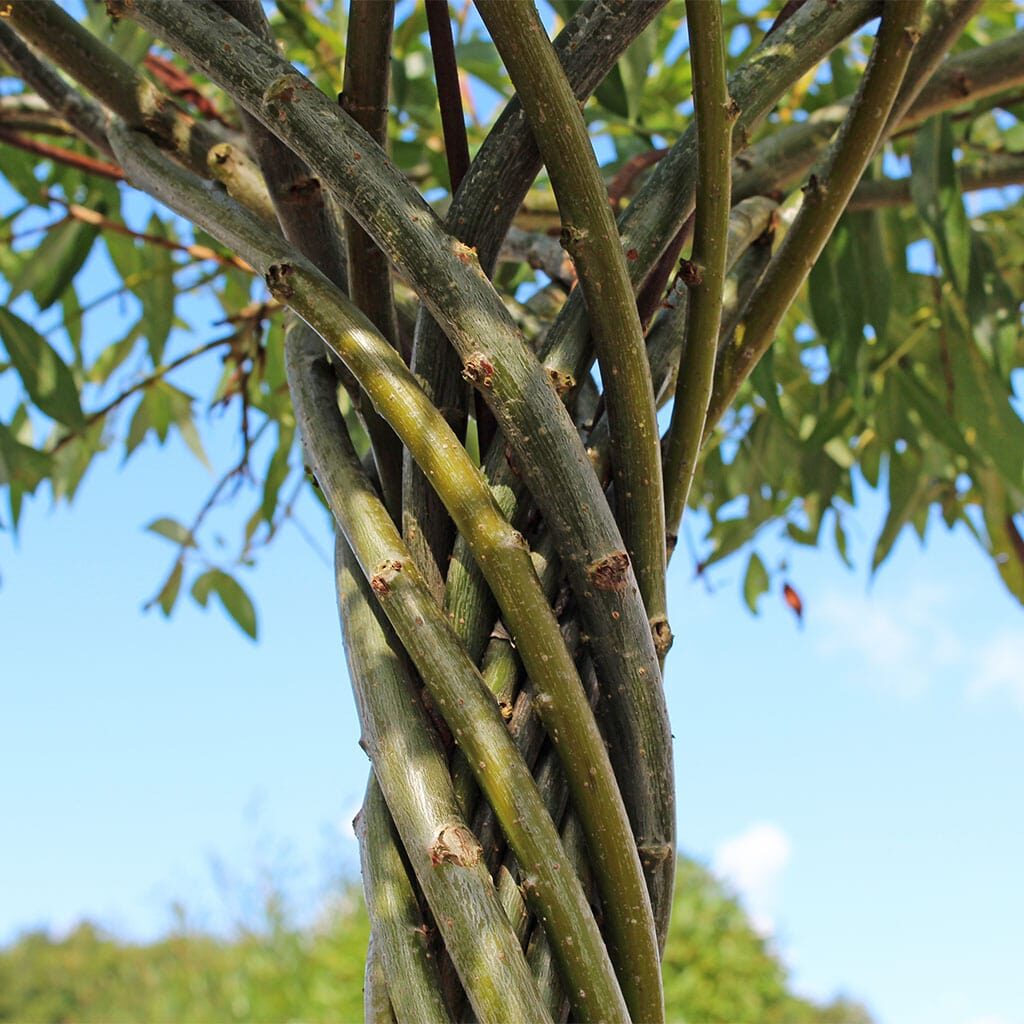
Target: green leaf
pixel 277 473
pixel 907 486
pixel 46 377
pixel 1004 538
pixel 173 531
pixel 49 270
pixel 755 582
pixel 157 292
pixel 234 599
pixel 168 593
pixel 935 189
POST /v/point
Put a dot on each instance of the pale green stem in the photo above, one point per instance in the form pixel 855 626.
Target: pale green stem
pixel 824 201
pixel 714 115
pixel 590 235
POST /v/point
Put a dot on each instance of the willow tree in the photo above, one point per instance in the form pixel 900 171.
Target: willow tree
pixel 474 357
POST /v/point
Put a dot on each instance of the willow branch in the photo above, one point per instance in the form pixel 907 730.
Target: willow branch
pixel 824 201
pixel 400 934
pixel 62 155
pixel 590 235
pixel 481 212
pixel 706 270
pixel 536 426
pixel 500 551
pixel 410 766
pixel 460 696
pixel 365 98
pixel 449 92
pixel 666 198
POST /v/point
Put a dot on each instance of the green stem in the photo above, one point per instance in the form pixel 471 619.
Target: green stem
pixel 500 550
pixel 399 940
pixel 590 235
pixel 706 271
pixel 536 426
pixel 413 775
pixel 825 199
pixel 483 208
pixel 365 98
pixel 458 693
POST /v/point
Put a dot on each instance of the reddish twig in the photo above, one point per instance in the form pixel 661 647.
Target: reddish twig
pixel 449 92
pixel 178 83
pixel 198 252
pixel 650 297
pixel 620 185
pixel 64 156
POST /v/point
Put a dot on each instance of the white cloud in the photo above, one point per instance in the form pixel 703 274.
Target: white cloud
pixel 897 643
pixel 752 864
pixel 999 665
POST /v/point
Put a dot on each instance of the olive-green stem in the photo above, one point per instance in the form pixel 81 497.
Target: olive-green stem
pixel 365 98
pixel 659 209
pixel 748 221
pixel 309 222
pixel 942 23
pixel 714 115
pixel 83 116
pixel 824 201
pixel 400 936
pixel 536 426
pixel 498 548
pixel 458 693
pixel 501 174
pixel 112 81
pixel 376 1004
pixel 590 235
pixel 411 768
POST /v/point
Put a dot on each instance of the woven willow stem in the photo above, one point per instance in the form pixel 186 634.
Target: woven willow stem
pixel 590 235
pixel 706 270
pixel 458 693
pixel 824 201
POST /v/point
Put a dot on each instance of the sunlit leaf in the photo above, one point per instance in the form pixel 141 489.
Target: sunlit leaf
pixel 46 378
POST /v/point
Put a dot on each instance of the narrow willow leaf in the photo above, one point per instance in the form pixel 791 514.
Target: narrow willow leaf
pixel 935 189
pixel 755 582
pixel 235 600
pixel 907 486
pixel 168 593
pixel 1004 538
pixel 157 292
pixel 49 270
pixel 44 374
pixel 277 473
pixel 173 531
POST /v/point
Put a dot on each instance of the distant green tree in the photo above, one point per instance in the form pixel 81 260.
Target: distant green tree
pixel 487 439
pixel 717 970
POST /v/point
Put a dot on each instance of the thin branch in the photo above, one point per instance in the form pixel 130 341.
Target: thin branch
pixel 157 375
pixel 996 170
pixel 590 235
pixel 68 157
pixel 197 252
pixel 449 92
pixel 824 201
pixel 705 272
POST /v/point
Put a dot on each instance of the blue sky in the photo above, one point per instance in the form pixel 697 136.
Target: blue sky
pixel 857 781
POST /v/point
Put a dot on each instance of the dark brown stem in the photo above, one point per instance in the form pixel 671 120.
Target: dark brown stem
pixel 449 94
